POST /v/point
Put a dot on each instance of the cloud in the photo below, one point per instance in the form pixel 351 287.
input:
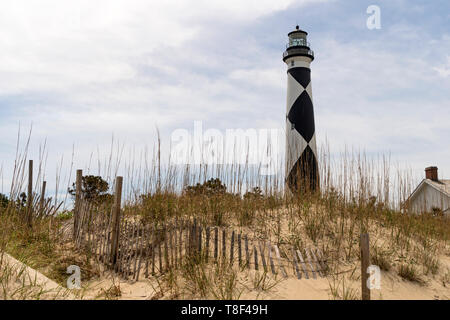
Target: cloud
pixel 384 96
pixel 81 71
pixel 444 70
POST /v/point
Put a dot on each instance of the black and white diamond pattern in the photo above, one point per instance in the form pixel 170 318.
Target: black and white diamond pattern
pixel 301 150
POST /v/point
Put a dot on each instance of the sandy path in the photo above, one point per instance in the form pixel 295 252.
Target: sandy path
pixel 22 276
pixel 392 288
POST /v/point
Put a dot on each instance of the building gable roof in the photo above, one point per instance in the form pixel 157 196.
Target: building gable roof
pixel 443 186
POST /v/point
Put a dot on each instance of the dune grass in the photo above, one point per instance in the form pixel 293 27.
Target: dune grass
pixel 358 194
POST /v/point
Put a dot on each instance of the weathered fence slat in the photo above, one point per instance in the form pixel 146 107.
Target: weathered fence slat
pixel 308 257
pixel 153 248
pixel 299 254
pixel 101 239
pixel 180 240
pixel 160 258
pixel 272 265
pixel 216 243
pixel 141 245
pixel 104 249
pixel 126 253
pixel 191 238
pixel 147 253
pixel 194 237
pixel 208 235
pixel 199 240
pixel 174 226
pixel 78 227
pixel 90 235
pixel 232 248
pixel 116 219
pixel 122 248
pixel 166 249
pixel 175 241
pixel 105 256
pixel 131 254
pixel 96 239
pixel 239 249
pixel 85 229
pixel 171 249
pixel 224 245
pixel 135 251
pixel 187 238
pixel 106 235
pixel 321 261
pixel 263 259
pixel 294 261
pixel 280 262
pixel 77 208
pixel 100 242
pixel 256 257
pixel 247 253
pixel 29 216
pixel 316 262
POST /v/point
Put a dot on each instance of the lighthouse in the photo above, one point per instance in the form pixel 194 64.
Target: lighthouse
pixel 301 151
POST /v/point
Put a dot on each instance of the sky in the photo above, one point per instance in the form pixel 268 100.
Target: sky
pixel 81 72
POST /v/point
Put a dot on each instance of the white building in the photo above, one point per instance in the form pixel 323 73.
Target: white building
pixel 431 194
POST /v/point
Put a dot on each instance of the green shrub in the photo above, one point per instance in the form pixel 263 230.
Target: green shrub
pixel 93 189
pixel 4 201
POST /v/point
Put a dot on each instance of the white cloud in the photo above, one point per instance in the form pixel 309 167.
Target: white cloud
pixel 83 70
pixel 382 100
pixel 262 78
pixel 444 70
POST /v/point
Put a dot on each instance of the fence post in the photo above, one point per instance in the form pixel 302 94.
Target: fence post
pixel 365 262
pixel 42 199
pixel 77 206
pixel 224 245
pixel 247 253
pixel 240 249
pixel 29 215
pixel 216 243
pixel 116 219
pixel 199 238
pixel 232 248
pixel 194 237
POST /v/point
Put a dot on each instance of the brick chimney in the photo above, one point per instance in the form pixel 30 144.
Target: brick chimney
pixel 431 173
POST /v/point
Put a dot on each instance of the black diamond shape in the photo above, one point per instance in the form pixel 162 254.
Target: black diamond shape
pixel 302 116
pixel 304 174
pixel 301 75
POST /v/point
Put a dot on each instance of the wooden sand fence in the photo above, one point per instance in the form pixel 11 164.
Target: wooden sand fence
pixel 133 249
pixel 37 205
